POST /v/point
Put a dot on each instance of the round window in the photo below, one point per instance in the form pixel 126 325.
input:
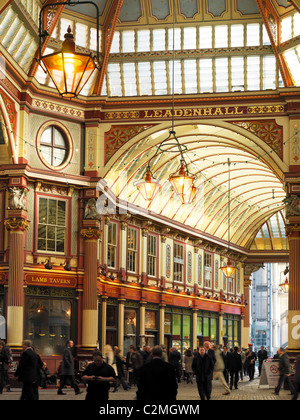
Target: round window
pixel 54 146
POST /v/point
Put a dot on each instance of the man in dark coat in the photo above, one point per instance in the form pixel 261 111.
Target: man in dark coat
pixel 174 359
pixel 297 379
pixel 27 371
pixel 234 366
pixel 203 367
pixel 157 380
pixel 284 368
pixel 261 355
pixel 67 370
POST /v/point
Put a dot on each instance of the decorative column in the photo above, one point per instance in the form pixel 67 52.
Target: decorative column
pixel 292 184
pixel 293 232
pixel 123 250
pixel 103 322
pixel 221 334
pixel 16 224
pixel 195 328
pixel 91 233
pixel 144 256
pixel 121 324
pixel 142 323
pixel 161 329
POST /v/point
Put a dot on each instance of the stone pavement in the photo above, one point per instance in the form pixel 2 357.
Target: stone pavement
pixel 186 392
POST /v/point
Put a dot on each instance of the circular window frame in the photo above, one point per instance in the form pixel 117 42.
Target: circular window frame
pixel 69 144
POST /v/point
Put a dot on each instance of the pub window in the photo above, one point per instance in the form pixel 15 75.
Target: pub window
pixel 178 262
pixel 207 270
pixel 132 250
pixel 112 245
pixel 51 225
pixel 152 255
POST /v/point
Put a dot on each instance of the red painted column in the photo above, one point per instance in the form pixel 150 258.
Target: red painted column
pixel 16 225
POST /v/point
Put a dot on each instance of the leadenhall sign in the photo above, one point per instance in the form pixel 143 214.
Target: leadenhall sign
pixel 205 112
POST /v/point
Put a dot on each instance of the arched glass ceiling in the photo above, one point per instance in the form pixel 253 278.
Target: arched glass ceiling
pixel 256 192
pixel 271 236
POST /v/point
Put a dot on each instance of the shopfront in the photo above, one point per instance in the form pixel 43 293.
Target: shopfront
pixel 207 327
pixel 178 328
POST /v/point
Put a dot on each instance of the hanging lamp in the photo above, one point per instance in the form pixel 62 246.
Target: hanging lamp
pixel 229 268
pixel 148 187
pixel 285 286
pixel 182 181
pixel 68 69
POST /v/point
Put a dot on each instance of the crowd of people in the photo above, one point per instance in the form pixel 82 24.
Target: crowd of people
pixel 154 372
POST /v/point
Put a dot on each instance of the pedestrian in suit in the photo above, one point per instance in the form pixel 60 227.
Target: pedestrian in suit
pixel 261 355
pixel 284 368
pixel 67 370
pixel 174 359
pixel 235 366
pixel 203 367
pixel 250 360
pixel 210 352
pixel 297 379
pixel 157 380
pixel 27 371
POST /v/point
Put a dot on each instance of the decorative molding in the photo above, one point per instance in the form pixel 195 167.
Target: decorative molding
pixel 16 224
pixel 91 233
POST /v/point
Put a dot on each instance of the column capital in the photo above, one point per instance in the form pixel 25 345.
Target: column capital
pixel 91 233
pixel 16 224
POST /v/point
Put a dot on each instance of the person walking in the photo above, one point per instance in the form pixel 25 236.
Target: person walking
pixel 243 357
pixel 174 359
pixel 67 370
pixel 157 380
pixel 297 379
pixel 5 360
pixel 261 355
pixel 109 358
pixel 203 367
pixel 27 371
pixel 187 363
pixel 120 363
pixel 250 360
pixel 219 367
pixel 284 368
pixel 235 366
pixel 98 376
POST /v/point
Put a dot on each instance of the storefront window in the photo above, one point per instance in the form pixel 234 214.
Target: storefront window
pixel 48 324
pixel 213 329
pixel 186 327
pixel 150 320
pixel 167 323
pixel 176 324
pixel 129 321
pixel 111 317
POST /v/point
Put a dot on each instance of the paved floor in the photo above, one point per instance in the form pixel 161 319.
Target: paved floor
pixel 186 392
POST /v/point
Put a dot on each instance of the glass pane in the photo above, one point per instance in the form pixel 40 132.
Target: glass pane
pixel 145 81
pixel 46 153
pixel 177 39
pixel 42 244
pixel 47 135
pixel 213 329
pixel 52 212
pixel 253 34
pixel 190 38
pixel 237 35
pixel 221 74
pixel 112 236
pixel 160 78
pixel 177 76
pixel 159 39
pixel 114 78
pixel 167 323
pixel 237 74
pixel 50 245
pixel 186 327
pixel 59 139
pixel 205 327
pixel 176 324
pixel 199 326
pixel 42 231
pixel 221 36
pixel 296 25
pixel 206 75
pixel 59 156
pixel 128 38
pixel 61 213
pixel 50 232
pixel 129 79
pixel 48 324
pixel 81 34
pixel 60 239
pixel 43 210
pixel 115 46
pixel 269 72
pixel 190 76
pixel 143 40
pixel 205 37
pixel 253 73
pixel 286 28
pixel 111 317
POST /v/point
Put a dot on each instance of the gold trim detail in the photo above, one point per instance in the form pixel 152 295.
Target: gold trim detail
pixel 16 224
